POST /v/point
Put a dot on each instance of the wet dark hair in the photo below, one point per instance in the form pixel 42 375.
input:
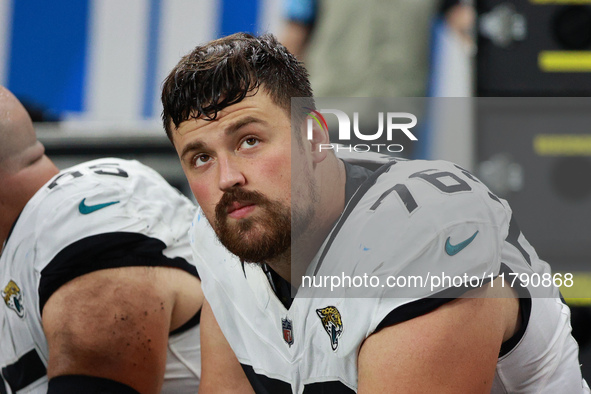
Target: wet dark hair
pixel 225 71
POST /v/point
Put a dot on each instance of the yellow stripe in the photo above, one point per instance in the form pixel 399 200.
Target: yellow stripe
pixel 564 61
pixel 562 144
pixel 578 301
pixel 579 294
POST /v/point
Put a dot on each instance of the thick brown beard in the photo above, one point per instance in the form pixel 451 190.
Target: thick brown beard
pixel 255 239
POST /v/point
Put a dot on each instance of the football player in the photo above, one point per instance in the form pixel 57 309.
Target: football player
pixel 286 209
pixel 99 291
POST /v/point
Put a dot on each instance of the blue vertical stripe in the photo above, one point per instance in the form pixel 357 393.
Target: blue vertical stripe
pixel 424 146
pixel 150 83
pixel 438 28
pixel 48 52
pixel 238 16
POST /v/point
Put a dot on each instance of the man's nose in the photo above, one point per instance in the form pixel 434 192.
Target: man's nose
pixel 231 174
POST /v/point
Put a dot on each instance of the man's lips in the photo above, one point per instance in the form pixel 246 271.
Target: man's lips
pixel 238 210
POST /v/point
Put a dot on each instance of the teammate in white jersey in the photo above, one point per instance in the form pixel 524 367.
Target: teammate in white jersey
pixel 286 208
pixel 99 293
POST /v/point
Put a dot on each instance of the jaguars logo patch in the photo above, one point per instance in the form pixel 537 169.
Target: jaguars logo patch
pixel 13 298
pixel 332 323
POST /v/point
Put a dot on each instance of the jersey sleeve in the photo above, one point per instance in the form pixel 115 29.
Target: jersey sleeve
pixel 421 233
pixel 108 214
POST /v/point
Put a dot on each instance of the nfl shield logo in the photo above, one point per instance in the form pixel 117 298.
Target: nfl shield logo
pixel 287 326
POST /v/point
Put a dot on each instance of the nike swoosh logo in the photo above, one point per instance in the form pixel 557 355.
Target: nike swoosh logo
pixel 452 250
pixel 86 209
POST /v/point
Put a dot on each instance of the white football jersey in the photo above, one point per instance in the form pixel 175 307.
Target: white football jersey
pixel 408 219
pixel 101 214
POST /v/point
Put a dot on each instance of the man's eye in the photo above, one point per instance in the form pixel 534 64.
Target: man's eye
pixel 250 142
pixel 201 160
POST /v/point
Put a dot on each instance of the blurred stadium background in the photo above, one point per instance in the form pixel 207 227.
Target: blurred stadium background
pixel 96 66
pixel 93 69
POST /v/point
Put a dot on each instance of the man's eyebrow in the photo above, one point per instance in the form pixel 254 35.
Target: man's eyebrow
pixel 231 129
pixel 192 146
pixel 234 127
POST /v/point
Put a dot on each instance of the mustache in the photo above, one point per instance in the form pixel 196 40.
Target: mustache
pixel 240 195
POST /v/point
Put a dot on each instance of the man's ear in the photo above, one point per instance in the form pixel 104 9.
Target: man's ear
pixel 319 142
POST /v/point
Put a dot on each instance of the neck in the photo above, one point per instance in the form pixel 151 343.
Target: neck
pixel 6 222
pixel 18 187
pixel 282 264
pixel 292 265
